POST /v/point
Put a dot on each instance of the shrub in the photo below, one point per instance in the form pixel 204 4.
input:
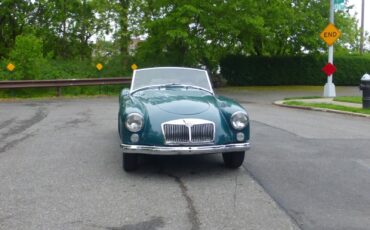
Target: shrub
pixel 291 70
pixel 28 57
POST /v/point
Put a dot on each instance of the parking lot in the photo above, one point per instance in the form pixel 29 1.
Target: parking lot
pixel 60 168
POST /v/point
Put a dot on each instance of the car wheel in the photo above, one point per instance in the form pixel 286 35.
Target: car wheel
pixel 233 159
pixel 129 162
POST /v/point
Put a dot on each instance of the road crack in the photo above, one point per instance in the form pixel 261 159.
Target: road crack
pixel 153 224
pixel 192 214
pixel 6 123
pixel 235 191
pixel 293 219
pixel 25 124
pixel 20 128
pixel 83 117
pixel 11 144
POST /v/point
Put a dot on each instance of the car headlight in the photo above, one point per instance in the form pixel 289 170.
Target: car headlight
pixel 239 120
pixel 134 122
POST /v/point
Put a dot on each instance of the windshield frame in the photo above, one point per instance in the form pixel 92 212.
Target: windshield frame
pixel 132 91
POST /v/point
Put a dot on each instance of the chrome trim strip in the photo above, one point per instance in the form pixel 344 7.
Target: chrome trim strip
pixel 190 150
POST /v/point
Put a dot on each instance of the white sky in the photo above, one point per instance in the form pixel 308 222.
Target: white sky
pixel 357 8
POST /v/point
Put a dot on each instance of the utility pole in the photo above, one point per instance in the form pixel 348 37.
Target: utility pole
pixel 362 27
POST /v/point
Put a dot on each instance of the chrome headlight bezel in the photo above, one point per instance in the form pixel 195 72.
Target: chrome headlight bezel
pixel 239 120
pixel 134 122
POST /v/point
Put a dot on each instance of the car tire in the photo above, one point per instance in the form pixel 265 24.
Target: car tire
pixel 119 126
pixel 129 162
pixel 233 159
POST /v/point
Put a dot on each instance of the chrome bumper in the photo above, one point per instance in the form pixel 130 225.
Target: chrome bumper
pixel 189 150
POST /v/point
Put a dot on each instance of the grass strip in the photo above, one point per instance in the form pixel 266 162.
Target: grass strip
pixel 357 99
pixel 305 97
pixel 329 106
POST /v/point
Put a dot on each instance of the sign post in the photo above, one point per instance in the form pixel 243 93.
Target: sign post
pixel 330 35
pixel 362 28
pixel 10 67
pixel 99 67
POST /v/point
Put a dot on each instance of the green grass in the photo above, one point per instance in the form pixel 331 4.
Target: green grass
pixel 354 99
pixel 306 97
pixel 349 99
pixel 329 106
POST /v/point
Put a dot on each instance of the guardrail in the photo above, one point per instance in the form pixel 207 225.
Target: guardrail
pixel 59 83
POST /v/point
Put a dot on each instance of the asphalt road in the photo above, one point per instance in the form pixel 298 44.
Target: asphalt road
pixel 315 165
pixel 60 168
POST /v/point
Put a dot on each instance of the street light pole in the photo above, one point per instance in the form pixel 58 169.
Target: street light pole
pixel 329 88
pixel 362 27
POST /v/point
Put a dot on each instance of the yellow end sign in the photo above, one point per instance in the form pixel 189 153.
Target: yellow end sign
pixel 330 34
pixel 10 67
pixel 133 66
pixel 99 66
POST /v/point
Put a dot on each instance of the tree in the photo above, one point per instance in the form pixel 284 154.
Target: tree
pixel 68 26
pixel 201 32
pixel 193 32
pixel 13 21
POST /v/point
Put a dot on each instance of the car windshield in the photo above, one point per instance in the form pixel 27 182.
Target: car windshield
pixel 144 78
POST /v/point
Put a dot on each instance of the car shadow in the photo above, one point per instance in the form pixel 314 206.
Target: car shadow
pixel 181 165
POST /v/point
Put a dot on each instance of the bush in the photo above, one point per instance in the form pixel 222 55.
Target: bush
pixel 66 69
pixel 28 58
pixel 293 70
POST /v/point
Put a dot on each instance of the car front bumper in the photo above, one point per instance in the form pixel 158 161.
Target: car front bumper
pixel 185 150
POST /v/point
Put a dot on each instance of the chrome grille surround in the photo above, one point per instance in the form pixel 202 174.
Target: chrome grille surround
pixel 188 132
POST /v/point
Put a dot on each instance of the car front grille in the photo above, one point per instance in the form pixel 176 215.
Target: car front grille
pixel 176 133
pixel 188 131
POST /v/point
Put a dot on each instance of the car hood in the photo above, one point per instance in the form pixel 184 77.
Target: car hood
pixel 159 106
pixel 177 102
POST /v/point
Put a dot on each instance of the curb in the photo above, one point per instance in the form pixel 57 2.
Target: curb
pixel 280 103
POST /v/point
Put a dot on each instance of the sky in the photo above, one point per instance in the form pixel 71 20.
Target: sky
pixel 357 8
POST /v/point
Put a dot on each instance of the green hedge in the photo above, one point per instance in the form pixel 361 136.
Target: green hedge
pixel 66 69
pixel 240 70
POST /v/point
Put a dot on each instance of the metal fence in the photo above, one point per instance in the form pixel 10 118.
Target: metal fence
pixel 59 83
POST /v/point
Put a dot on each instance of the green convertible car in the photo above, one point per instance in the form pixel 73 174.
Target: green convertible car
pixel 174 111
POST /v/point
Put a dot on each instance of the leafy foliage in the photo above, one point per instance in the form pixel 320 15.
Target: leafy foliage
pixel 27 57
pixel 182 33
pixel 13 20
pixel 202 32
pixel 292 70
